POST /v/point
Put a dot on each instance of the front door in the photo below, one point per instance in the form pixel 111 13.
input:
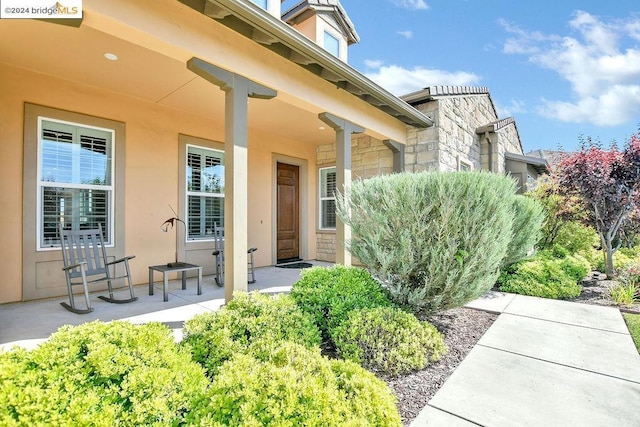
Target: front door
pixel 288 217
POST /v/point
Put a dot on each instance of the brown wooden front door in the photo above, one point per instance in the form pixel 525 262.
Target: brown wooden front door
pixel 288 217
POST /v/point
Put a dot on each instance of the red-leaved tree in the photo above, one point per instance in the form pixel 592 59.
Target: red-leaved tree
pixel 608 182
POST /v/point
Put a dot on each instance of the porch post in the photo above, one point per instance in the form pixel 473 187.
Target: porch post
pixel 398 154
pixel 343 129
pixel 237 91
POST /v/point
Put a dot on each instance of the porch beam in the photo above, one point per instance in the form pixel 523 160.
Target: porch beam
pixel 398 154
pixel 344 129
pixel 238 90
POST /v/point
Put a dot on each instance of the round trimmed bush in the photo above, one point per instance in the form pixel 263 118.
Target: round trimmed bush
pixel 101 374
pixel 296 386
pixel 329 294
pixel 249 323
pixel 388 340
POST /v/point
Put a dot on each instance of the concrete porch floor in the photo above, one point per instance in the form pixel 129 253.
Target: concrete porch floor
pixel 29 323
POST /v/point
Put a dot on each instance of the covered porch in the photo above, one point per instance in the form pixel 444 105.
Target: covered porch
pixel 19 325
pixel 167 82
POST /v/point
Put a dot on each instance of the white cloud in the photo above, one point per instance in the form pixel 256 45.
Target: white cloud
pixel 511 109
pixel 408 34
pixel 373 63
pixel 411 4
pixel 401 81
pixel 522 41
pixel 603 71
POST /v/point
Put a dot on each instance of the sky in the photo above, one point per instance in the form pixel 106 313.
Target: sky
pixel 563 69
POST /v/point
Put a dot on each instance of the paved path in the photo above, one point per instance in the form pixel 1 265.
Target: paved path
pixel 543 363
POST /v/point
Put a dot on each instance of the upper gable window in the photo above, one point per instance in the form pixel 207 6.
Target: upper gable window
pixel 261 3
pixel 331 44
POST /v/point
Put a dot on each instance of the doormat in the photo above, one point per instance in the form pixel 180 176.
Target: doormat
pixel 296 265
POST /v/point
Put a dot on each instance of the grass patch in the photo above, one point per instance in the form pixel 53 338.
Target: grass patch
pixel 633 323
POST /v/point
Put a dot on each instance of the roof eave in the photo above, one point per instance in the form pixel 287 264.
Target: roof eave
pixel 306 53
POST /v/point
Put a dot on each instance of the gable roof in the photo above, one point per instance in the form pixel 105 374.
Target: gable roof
pixel 272 33
pixel 305 8
pixel 434 92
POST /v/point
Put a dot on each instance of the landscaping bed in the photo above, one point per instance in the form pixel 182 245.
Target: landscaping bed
pixel 595 290
pixel 462 328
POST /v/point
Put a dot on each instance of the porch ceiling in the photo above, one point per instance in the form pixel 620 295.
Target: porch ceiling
pixel 77 54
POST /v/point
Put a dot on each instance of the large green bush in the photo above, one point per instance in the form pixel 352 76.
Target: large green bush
pixel 101 374
pixel 330 294
pixel 295 386
pixel 388 340
pixel 249 323
pixel 527 225
pixel 436 240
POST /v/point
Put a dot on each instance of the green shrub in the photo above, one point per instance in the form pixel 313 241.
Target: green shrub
pixel 436 240
pixel 101 374
pixel 624 294
pixel 249 323
pixel 295 386
pixel 575 266
pixel 330 294
pixel 576 237
pixel 539 277
pixel 388 340
pixel 621 259
pixel 527 226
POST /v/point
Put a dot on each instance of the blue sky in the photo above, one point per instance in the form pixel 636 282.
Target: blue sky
pixel 562 68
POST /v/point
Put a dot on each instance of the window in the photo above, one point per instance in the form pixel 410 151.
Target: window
pixel 464 166
pixel 205 191
pixel 331 44
pixel 261 3
pixel 327 198
pixel 75 179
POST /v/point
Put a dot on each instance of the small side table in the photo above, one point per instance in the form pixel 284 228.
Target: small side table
pixel 165 270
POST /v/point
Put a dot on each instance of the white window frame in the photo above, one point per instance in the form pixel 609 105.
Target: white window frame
pixel 464 166
pixel 321 184
pixel 258 3
pixel 188 192
pixel 325 27
pixel 110 189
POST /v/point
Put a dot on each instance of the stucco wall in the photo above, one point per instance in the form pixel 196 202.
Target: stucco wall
pixel 151 170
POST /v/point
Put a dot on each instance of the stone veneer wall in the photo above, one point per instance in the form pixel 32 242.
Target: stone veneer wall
pixel 452 137
pixel 369 157
pixel 507 141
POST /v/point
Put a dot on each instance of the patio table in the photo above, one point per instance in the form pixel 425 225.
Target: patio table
pixel 165 270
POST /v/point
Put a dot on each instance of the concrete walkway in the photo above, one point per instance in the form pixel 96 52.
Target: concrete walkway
pixel 543 363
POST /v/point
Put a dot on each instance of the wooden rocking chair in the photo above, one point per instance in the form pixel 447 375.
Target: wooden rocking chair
pixel 218 253
pixel 84 255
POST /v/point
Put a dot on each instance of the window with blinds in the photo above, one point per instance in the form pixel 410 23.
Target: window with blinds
pixel 74 179
pixel 205 191
pixel 327 198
